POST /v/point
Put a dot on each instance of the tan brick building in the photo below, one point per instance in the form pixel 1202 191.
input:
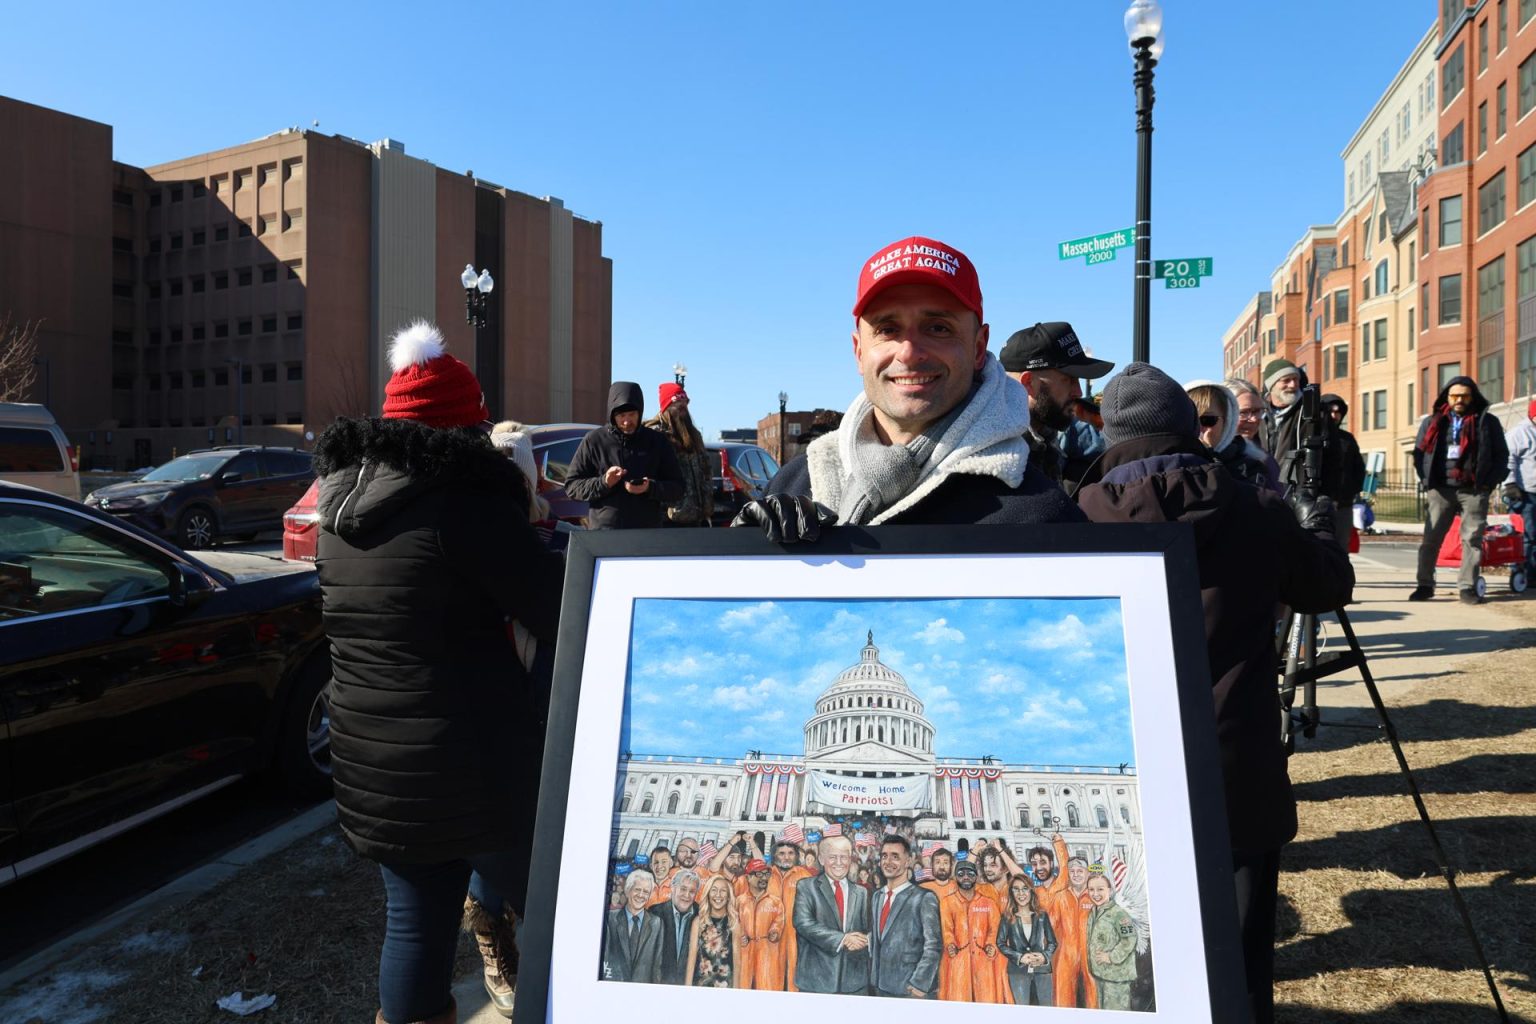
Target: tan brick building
pixel 249 293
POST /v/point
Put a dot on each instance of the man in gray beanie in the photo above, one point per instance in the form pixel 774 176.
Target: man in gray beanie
pixel 1252 554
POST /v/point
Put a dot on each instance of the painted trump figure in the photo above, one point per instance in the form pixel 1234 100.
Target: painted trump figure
pixel 831 918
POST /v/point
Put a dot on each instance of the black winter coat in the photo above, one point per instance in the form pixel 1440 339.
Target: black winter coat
pixel 424 550
pixel 963 498
pixel 645 453
pixel 1491 456
pixel 1251 555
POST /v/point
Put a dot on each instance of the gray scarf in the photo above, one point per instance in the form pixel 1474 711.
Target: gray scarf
pixel 879 474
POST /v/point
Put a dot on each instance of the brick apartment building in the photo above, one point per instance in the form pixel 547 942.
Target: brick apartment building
pixel 249 293
pixel 1430 271
pixel 796 426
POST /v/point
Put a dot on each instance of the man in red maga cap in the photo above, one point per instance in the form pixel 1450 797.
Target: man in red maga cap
pixel 937 434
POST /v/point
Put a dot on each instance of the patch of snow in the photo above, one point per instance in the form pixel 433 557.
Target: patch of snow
pixel 155 942
pixel 63 998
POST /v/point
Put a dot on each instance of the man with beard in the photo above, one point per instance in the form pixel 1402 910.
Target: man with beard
pixel 943 882
pixel 762 927
pixel 937 434
pixel 974 971
pixel 1063 897
pixel 1048 360
pixel 676 916
pixel 1460 456
pixel 732 860
pixel 787 872
pixel 688 859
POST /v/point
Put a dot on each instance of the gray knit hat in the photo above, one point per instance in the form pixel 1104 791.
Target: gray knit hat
pixel 1142 400
pixel 1276 369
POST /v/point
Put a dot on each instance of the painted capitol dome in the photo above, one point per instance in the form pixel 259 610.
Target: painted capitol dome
pixel 869 715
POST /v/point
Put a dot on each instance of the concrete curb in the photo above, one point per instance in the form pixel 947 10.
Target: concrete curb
pixel 194 883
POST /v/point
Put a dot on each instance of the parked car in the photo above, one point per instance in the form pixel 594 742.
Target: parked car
pixel 745 470
pixel 135 678
pixel 301 526
pixel 34 450
pixel 231 491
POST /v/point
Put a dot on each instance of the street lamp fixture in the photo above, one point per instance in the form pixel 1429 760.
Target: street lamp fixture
pixel 783 402
pixel 477 288
pixel 1144 29
pixel 679 371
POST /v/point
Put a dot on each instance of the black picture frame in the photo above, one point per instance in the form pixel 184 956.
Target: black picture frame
pixel 1219 973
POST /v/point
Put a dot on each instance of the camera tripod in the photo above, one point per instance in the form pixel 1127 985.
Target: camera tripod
pixel 1304 665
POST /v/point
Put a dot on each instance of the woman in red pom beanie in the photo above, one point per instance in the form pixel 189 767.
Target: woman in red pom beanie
pixel 425 551
pixel 698 501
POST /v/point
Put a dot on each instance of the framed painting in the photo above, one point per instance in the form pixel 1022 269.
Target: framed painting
pixel 971 769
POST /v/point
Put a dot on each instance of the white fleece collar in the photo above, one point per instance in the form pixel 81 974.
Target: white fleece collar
pixel 987 439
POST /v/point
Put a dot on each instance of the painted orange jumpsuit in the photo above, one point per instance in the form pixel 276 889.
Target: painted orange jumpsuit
pixel 762 927
pixel 791 941
pixel 1068 913
pixel 972 975
pixel 663 890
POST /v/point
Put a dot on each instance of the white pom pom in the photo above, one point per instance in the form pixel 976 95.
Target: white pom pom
pixel 419 343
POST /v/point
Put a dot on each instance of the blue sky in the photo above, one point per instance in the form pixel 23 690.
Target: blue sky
pixel 1033 681
pixel 745 159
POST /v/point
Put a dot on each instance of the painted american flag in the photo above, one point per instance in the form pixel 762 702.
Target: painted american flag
pixel 707 851
pixel 922 874
pixel 793 833
pixel 866 839
pixel 1117 871
pixel 930 845
pixel 831 830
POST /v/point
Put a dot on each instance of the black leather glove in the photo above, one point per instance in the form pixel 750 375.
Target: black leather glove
pixel 786 518
pixel 1513 495
pixel 1315 513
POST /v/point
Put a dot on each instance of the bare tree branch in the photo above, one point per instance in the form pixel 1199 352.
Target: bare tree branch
pixel 18 358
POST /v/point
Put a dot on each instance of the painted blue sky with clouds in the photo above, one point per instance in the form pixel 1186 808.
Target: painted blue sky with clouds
pixel 1029 681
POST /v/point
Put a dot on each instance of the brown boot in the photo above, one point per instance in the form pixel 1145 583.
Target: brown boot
pixel 448 1016
pixel 497 938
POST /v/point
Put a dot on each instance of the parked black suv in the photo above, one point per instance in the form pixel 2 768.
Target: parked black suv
pixel 231 491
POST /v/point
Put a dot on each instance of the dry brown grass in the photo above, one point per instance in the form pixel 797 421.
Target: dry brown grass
pixel 1369 930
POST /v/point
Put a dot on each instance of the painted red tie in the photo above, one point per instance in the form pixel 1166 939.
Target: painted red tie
pixel 837 890
pixel 885 911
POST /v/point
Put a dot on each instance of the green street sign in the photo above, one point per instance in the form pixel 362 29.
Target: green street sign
pixel 1183 273
pixel 1097 248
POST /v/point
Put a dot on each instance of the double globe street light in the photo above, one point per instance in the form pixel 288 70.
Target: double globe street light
pixel 1144 29
pixel 477 288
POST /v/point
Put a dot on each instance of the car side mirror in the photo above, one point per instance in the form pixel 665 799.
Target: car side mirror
pixel 189 588
pixel 234 476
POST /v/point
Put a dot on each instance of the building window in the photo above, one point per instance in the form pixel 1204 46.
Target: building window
pixel 268 274
pixel 1450 221
pixel 1411 331
pixel 1341 306
pixel 220 282
pixel 199 332
pixel 176 287
pixel 1453 150
pixel 154 244
pixel 175 193
pixel 122 289
pixel 295 371
pixel 243 276
pixel 243 229
pixel 199 238
pixel 268 324
pixel 269 373
pixel 220 378
pixel 1365 343
pixel 1490 329
pixel 1482 128
pixel 1381 277
pixel 221 329
pixel 175 382
pixel 1450 299
pixel 1526 80
pixel 1500 105
pixel 154 198
pixel 1317 328
pixel 1379 410
pixel 199 284
pixel 296 323
pixel 1341 360
pixel 121 198
pixel 175 239
pixel 1381 339
pixel 154 289
pixel 199 378
pixel 199 190
pixel 1409 405
pixel 1482 46
pixel 243 328
pixel 1453 76
pixel 1490 204
pixel 221 234
pixel 1424 305
pixel 1501 19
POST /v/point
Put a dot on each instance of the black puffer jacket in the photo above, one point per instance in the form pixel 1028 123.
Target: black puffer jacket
pixel 1490 453
pixel 1251 556
pixel 645 453
pixel 424 549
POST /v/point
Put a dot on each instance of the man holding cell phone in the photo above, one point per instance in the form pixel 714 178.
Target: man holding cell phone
pixel 626 473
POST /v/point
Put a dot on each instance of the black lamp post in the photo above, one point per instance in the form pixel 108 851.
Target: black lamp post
pixel 679 373
pixel 783 401
pixel 477 288
pixel 1144 28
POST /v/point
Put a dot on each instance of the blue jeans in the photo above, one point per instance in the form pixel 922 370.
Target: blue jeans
pixel 1526 510
pixel 421 935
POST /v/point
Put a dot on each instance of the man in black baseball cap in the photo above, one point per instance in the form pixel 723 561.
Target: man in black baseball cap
pixel 1048 359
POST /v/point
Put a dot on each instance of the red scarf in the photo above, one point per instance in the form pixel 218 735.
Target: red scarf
pixel 1454 471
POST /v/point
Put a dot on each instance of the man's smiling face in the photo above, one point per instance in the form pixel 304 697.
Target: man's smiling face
pixel 918 350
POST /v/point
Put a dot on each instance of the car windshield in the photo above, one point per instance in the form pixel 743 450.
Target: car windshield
pixel 188 467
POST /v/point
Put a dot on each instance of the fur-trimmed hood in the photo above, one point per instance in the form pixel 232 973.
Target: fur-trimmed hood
pixel 987 439
pixel 1228 402
pixel 369 467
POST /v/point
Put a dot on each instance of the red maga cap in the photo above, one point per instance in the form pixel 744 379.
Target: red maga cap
pixel 919 260
pixel 755 865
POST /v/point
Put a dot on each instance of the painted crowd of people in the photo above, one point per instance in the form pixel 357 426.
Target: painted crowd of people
pixel 880 916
